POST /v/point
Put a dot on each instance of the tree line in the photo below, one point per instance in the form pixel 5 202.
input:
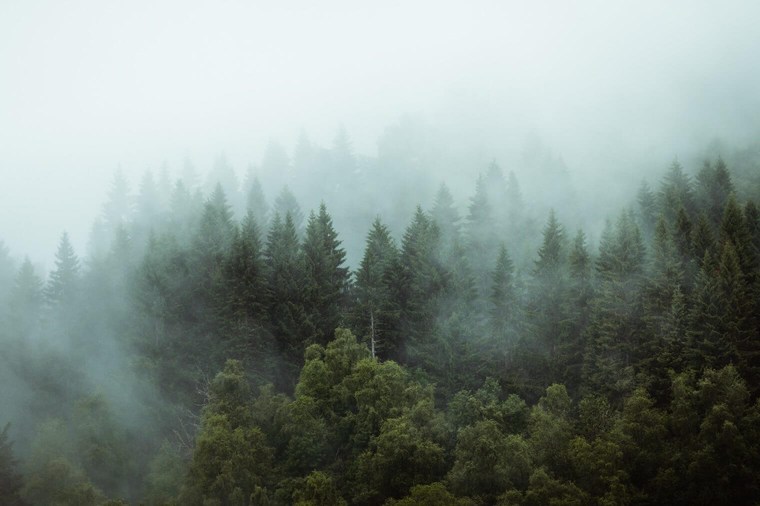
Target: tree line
pixel 480 358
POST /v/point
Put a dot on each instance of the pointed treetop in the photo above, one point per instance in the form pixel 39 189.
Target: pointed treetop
pixel 64 277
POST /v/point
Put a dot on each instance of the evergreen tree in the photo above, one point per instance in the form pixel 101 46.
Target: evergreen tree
pixel 708 319
pixel 285 204
pixel 714 186
pixel 702 239
pixel 581 292
pixel 148 212
pixel 423 282
pixel 215 230
pixel 647 208
pixel 374 308
pixel 547 298
pixel 243 300
pixel 285 281
pixel 256 202
pixel 675 193
pixel 515 203
pixel 446 218
pixel 615 337
pixel 118 206
pixel 734 229
pixel 63 280
pixel 497 194
pixel 481 234
pixel 503 300
pixel 223 175
pixel 327 280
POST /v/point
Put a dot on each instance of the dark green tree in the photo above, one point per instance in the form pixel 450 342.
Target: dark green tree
pixel 503 312
pixel 374 309
pixel 327 279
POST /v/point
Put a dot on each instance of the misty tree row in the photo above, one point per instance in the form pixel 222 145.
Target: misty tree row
pixel 494 359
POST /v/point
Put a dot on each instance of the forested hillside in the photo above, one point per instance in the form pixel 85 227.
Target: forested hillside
pixel 215 347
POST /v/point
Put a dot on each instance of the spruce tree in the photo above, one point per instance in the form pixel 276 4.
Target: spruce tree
pixel 242 303
pixel 374 313
pixel 647 208
pixel 547 317
pixel 676 192
pixel 285 204
pixel 256 202
pixel 286 277
pixel 503 302
pixel 446 217
pixel 424 281
pixel 327 279
pixel 63 280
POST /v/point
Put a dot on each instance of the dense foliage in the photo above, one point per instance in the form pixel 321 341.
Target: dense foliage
pixel 480 359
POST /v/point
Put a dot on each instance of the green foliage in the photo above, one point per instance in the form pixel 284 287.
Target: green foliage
pixel 318 490
pixel 434 494
pixel 569 375
pixel 487 461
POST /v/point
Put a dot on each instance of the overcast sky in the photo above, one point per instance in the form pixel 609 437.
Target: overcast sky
pixel 86 86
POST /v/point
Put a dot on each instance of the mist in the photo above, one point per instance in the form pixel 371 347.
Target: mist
pixel 88 87
pixel 514 213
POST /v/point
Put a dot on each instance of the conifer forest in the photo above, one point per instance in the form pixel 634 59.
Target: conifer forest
pixel 525 272
pixel 489 357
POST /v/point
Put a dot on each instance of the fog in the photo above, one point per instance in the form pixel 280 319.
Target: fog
pixel 192 187
pixel 87 87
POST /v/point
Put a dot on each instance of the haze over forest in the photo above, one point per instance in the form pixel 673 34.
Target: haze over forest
pixel 409 253
pixel 614 90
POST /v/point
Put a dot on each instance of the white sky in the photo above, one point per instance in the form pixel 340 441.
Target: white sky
pixel 88 85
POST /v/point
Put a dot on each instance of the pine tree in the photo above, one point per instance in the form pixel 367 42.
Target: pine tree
pixel 374 309
pixel 702 239
pixel 118 206
pixel 706 321
pixel 290 325
pixel 215 229
pixel 497 194
pixel 503 303
pixel 327 280
pixel 665 273
pixel 223 175
pixel 446 217
pixel 714 186
pixel 256 202
pixel 615 336
pixel 734 229
pixel 148 212
pixel 547 302
pixel 63 280
pixel 285 204
pixel 243 296
pixel 581 292
pixel 515 202
pixel 424 282
pixel 647 208
pixel 481 234
pixel 675 193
